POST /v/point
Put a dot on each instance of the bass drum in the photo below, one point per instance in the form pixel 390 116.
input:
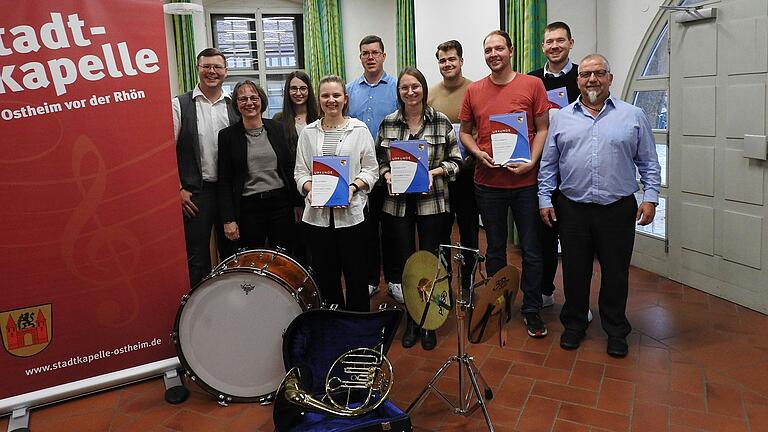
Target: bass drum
pixel 228 330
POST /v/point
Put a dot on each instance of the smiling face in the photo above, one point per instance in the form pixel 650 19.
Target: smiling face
pixel 333 98
pixel 450 64
pixel 557 45
pixel 298 91
pixel 594 80
pixel 411 91
pixel 497 53
pixel 211 71
pixel 248 102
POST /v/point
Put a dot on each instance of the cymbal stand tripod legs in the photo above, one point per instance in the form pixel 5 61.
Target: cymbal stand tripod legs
pixel 464 361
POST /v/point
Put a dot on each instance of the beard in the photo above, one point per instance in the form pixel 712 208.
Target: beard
pixel 592 96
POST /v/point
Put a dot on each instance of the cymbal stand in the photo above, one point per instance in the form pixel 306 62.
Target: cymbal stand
pixel 464 361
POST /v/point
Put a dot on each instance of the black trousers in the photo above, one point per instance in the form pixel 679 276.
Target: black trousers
pixel 197 234
pixel 266 219
pixel 337 251
pixel 549 254
pixel 605 231
pixel 403 230
pixel 380 252
pixel 467 216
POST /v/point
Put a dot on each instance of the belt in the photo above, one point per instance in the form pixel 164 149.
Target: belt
pixel 267 194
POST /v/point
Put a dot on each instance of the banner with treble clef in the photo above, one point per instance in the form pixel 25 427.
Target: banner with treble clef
pixel 91 239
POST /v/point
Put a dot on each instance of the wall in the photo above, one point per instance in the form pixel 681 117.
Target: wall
pixel 581 18
pixel 436 23
pixel 365 17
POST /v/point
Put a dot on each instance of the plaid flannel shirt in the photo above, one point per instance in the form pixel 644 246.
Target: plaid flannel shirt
pixel 442 151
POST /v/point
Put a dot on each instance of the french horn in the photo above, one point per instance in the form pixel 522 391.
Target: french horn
pixel 357 383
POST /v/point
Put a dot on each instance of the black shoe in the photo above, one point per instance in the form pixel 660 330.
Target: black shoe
pixel 617 346
pixel 411 333
pixel 428 339
pixel 534 325
pixel 570 339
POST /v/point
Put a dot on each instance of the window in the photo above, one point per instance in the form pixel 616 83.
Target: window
pixel 654 104
pixel 657 228
pixel 658 62
pixel 262 47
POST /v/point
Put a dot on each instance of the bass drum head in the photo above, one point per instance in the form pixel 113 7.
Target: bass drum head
pixel 230 334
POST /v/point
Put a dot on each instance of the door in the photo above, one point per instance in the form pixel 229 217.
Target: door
pixel 718 237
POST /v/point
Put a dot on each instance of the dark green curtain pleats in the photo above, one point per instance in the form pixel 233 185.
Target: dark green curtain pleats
pixel 186 57
pixel 323 45
pixel 525 21
pixel 406 35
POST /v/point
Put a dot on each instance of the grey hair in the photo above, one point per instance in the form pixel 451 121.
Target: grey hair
pixel 596 56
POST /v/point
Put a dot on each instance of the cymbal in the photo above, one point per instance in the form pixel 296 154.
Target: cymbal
pixel 418 277
pixel 493 299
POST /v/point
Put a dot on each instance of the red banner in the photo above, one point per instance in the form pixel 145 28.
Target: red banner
pixel 91 240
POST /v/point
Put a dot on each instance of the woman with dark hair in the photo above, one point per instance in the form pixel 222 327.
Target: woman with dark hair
pixel 336 235
pixel 425 213
pixel 299 110
pixel 256 188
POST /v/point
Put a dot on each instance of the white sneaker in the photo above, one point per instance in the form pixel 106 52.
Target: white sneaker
pixel 372 289
pixel 547 300
pixel 396 292
pixel 589 315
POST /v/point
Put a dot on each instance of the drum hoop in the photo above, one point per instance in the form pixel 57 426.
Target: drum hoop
pixel 222 396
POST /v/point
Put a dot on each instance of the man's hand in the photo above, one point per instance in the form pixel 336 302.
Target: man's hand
pixel 520 168
pixel 548 216
pixel 485 158
pixel 231 231
pixel 187 206
pixel 645 213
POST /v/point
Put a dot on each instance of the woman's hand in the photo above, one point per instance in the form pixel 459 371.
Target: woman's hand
pixel 231 231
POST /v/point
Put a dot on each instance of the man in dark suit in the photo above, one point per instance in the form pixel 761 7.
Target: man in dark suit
pixel 198 116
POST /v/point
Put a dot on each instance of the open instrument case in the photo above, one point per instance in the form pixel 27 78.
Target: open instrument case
pixel 312 343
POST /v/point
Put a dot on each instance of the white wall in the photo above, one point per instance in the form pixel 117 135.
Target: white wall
pixel 361 18
pixel 436 22
pixel 581 17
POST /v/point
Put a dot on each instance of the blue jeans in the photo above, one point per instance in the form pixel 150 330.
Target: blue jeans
pixel 524 202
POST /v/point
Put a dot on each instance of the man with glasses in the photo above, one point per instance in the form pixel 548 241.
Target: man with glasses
pixel 558 72
pixel 501 186
pixel 198 116
pixel 595 146
pixel 371 97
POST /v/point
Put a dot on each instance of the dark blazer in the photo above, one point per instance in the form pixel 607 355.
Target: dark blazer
pixel 233 166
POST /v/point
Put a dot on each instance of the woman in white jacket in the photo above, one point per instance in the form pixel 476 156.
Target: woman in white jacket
pixel 336 234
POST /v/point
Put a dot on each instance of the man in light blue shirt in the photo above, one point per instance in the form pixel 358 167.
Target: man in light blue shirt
pixel 595 146
pixel 371 97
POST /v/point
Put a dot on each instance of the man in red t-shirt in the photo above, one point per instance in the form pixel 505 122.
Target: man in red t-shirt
pixel 502 185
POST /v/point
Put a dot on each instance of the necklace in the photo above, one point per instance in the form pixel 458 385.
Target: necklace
pixel 593 108
pixel 327 126
pixel 255 132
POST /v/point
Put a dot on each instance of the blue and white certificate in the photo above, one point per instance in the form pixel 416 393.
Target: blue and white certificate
pixel 409 166
pixel 509 138
pixel 558 96
pixel 330 181
pixel 459 144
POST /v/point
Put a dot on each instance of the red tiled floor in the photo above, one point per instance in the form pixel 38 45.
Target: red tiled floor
pixel 696 363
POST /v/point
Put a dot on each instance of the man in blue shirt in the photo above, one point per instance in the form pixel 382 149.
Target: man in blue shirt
pixel 371 97
pixel 595 146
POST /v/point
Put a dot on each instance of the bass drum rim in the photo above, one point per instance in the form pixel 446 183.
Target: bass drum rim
pixel 220 395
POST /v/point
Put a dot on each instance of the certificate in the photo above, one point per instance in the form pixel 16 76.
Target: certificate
pixel 462 149
pixel 409 166
pixel 509 138
pixel 558 96
pixel 330 181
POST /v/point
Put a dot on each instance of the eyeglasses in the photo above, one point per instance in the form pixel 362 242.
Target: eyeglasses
pixel 217 68
pixel 598 73
pixel 374 54
pixel 413 88
pixel 302 89
pixel 245 99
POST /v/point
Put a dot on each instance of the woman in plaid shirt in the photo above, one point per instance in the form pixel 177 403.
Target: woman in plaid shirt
pixel 406 214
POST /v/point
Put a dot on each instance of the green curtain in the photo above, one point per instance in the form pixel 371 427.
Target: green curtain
pixel 406 35
pixel 186 57
pixel 323 46
pixel 525 20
